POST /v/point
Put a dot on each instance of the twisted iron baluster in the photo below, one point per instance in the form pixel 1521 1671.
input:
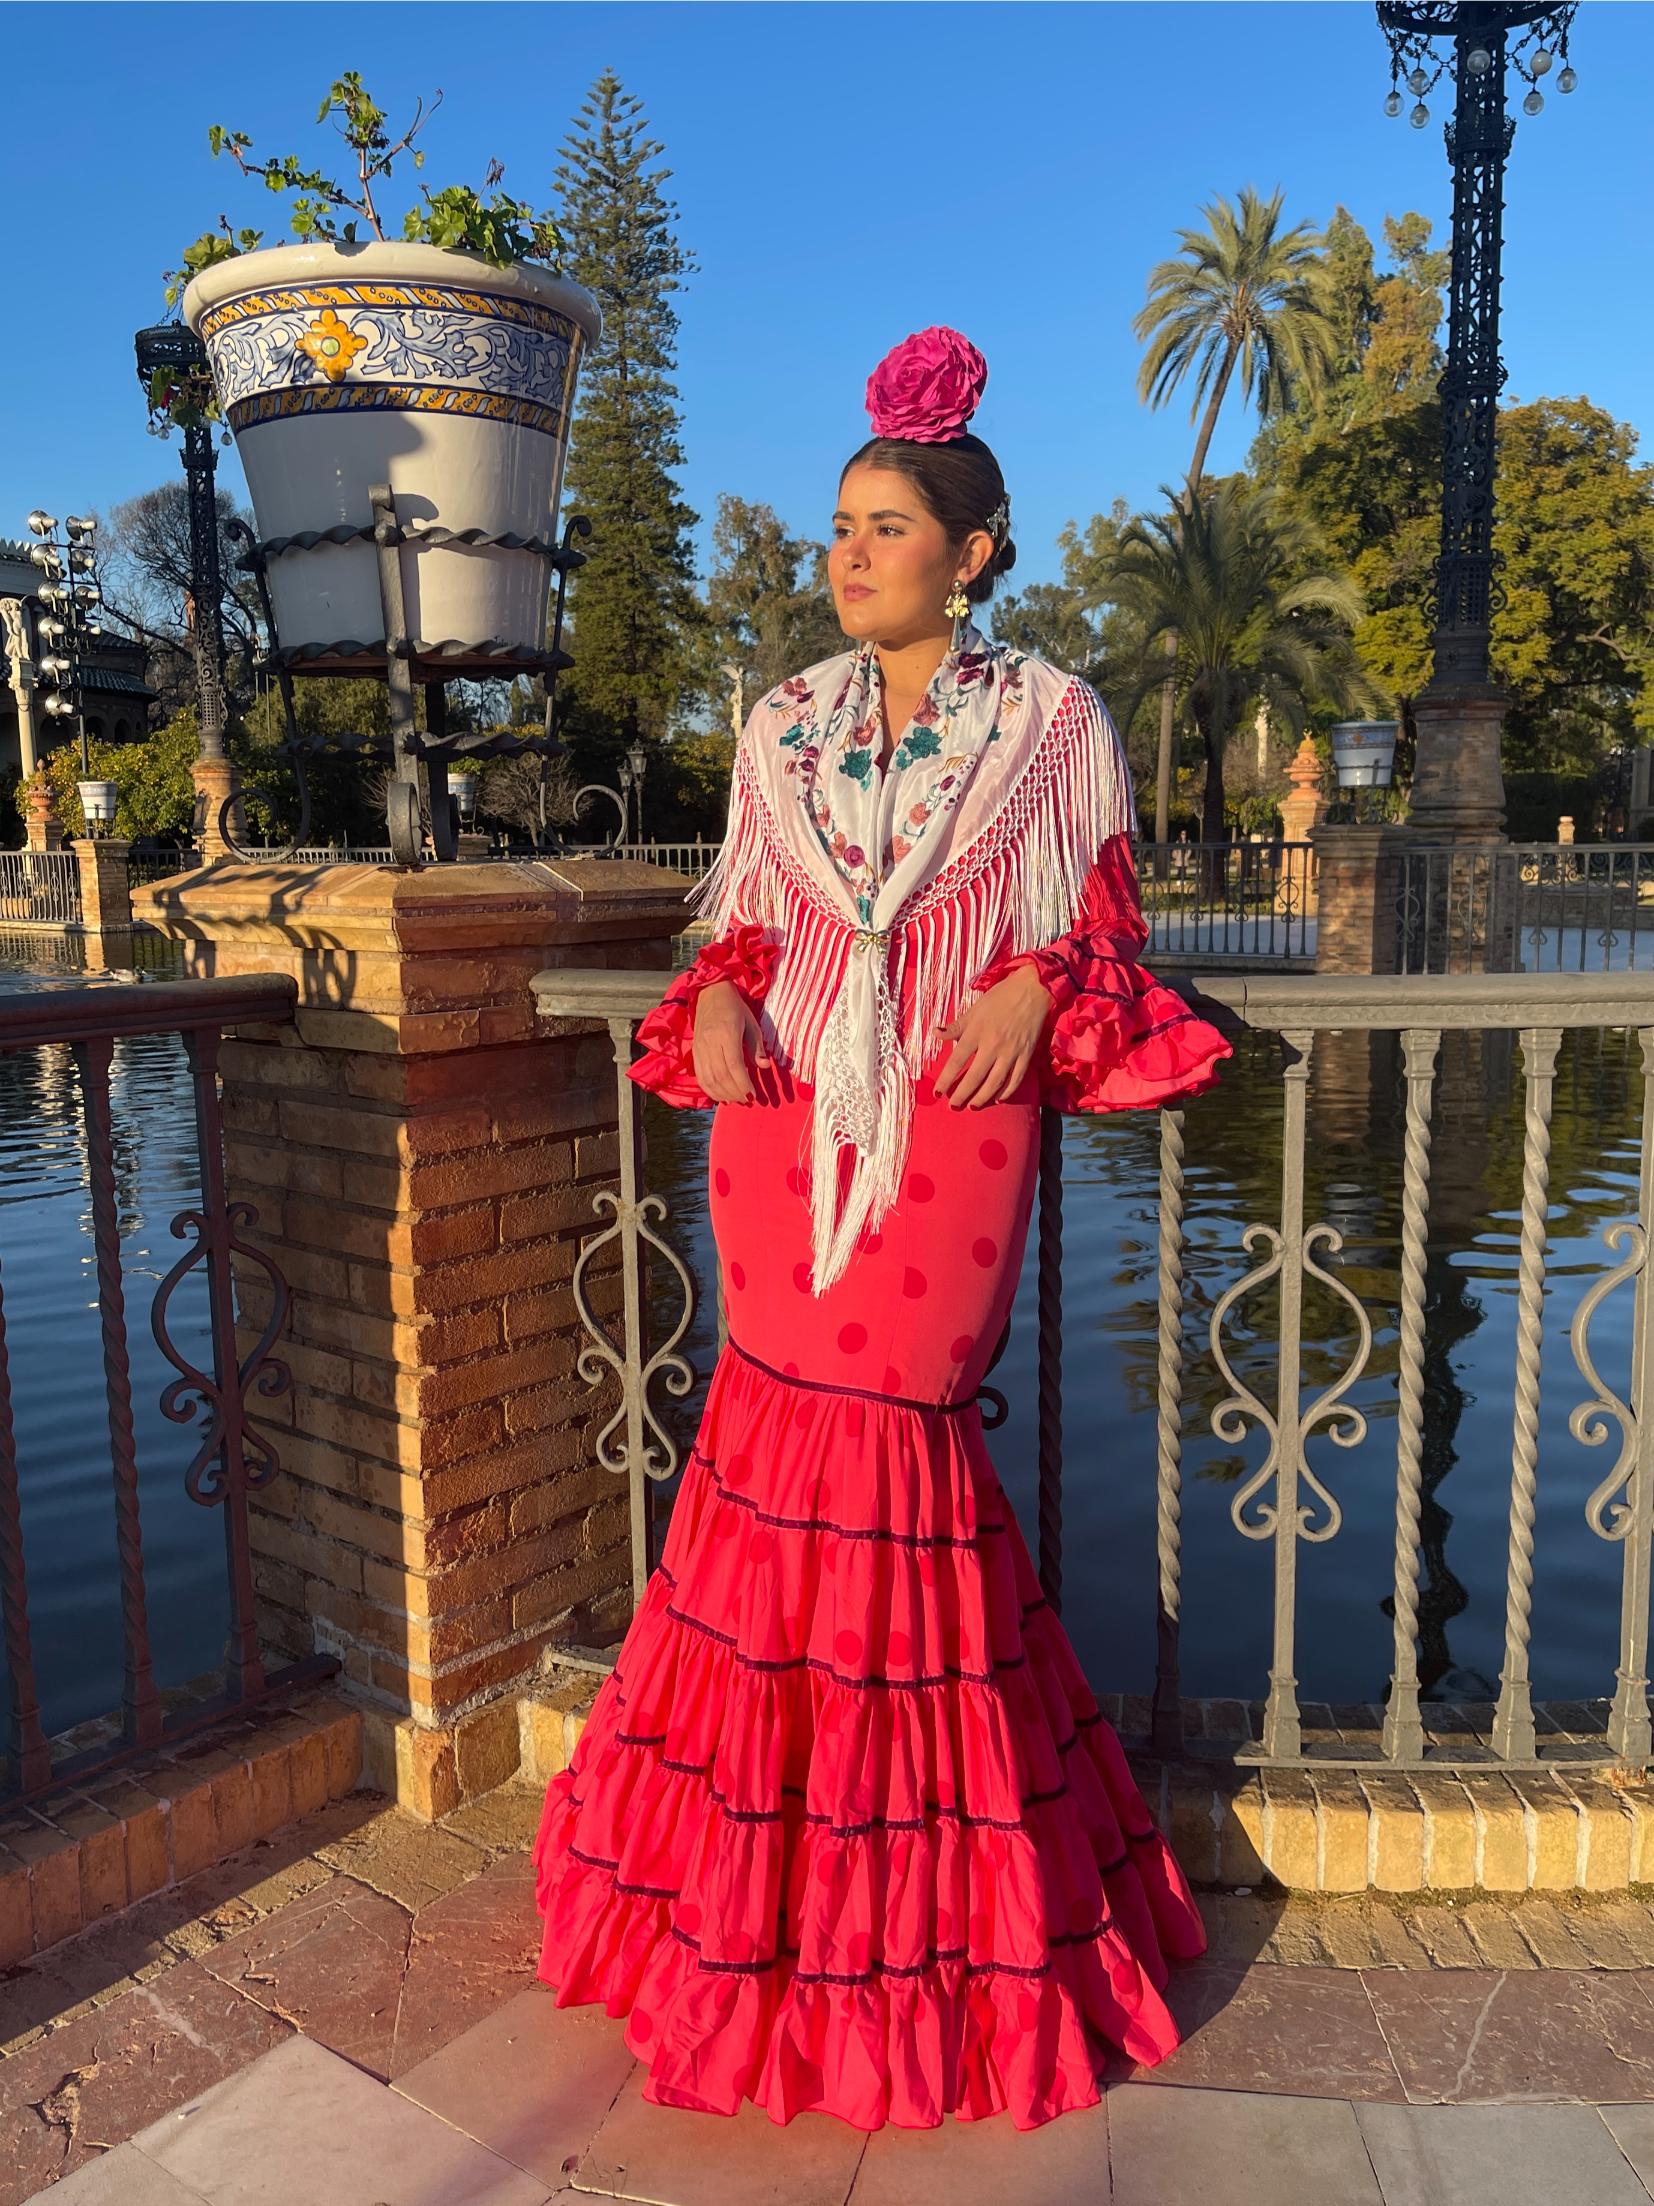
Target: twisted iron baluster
pixel 1513 1729
pixel 1403 1728
pixel 1050 1357
pixel 1167 1716
pixel 140 1701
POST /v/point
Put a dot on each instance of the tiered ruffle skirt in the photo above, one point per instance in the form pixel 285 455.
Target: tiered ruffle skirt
pixel 846 1829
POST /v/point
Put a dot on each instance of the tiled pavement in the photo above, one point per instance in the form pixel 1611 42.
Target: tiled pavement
pixel 348 2017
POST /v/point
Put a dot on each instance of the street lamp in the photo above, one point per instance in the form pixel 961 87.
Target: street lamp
pixel 171 357
pixel 631 778
pixel 68 625
pixel 1457 791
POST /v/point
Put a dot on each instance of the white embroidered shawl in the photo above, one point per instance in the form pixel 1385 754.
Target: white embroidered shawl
pixel 975 841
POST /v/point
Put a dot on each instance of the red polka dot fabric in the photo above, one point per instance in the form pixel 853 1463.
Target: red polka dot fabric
pixel 846 1830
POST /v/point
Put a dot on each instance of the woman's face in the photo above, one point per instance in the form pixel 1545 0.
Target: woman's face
pixel 890 563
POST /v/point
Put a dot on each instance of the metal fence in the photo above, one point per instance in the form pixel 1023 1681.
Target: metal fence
pixel 40 888
pixel 233 1455
pixel 1285 1501
pixel 1216 901
pixel 1529 907
pixel 691 858
pixel 144 866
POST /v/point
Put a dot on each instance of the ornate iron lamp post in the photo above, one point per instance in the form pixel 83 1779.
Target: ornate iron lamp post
pixel 170 355
pixel 1458 794
pixel 69 597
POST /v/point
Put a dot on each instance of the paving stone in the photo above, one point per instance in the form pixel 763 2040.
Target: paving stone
pixel 303 2125
pixel 88 2086
pixel 1496 2156
pixel 1549 1931
pixel 1632 2129
pixel 1243 2148
pixel 1472 2034
pixel 332 1968
pixel 120 2178
pixel 504 1820
pixel 1499 1943
pixel 469 1953
pixel 1258 2029
pixel 532 2082
pixel 1062 2163
pixel 410 1862
pixel 1613 1934
pixel 672 2156
pixel 1348 1937
pixel 1444 1937
pixel 1398 1943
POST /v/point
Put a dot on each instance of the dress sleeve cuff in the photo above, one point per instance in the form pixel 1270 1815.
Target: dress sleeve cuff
pixel 1124 1041
pixel 666 1063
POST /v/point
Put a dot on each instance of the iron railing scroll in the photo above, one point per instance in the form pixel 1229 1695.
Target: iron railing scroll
pixel 236 1453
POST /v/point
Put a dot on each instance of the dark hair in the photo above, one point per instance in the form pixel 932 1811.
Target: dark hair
pixel 960 483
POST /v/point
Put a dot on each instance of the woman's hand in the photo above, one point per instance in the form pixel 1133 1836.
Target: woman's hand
pixel 994 1041
pixel 727 1044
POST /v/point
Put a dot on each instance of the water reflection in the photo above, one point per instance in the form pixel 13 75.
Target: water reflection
pixel 49 1273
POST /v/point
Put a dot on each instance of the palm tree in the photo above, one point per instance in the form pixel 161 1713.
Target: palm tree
pixel 1235 577
pixel 1241 294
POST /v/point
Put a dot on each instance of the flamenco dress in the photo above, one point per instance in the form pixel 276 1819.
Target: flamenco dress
pixel 846 1829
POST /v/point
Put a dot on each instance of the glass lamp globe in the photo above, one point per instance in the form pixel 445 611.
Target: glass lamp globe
pixel 1392 104
pixel 1478 61
pixel 1534 102
pixel 1417 81
pixel 1541 60
pixel 1420 116
pixel 1568 79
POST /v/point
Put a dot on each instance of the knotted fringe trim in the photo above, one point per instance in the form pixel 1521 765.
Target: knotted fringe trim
pixel 1016 887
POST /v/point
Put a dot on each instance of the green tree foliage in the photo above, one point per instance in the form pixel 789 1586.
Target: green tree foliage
pixel 1243 295
pixel 633 611
pixel 155 795
pixel 769 607
pixel 768 613
pixel 1235 579
pixel 342 808
pixel 1574 533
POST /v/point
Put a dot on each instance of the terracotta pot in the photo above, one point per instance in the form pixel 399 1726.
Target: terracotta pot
pixel 341 366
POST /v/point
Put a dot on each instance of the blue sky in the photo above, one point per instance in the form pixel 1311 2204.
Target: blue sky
pixel 844 173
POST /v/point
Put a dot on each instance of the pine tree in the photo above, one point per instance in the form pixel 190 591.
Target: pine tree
pixel 633 612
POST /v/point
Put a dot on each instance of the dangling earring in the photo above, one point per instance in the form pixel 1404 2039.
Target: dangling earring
pixel 958 604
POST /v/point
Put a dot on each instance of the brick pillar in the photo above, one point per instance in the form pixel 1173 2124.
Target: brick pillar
pixel 105 887
pixel 1357 885
pixel 423 1153
pixel 42 827
pixel 215 779
pixel 1458 791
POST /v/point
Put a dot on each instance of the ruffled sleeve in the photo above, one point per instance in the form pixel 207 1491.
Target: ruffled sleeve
pixel 666 1066
pixel 1117 1039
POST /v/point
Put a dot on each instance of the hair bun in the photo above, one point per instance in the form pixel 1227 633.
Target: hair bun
pixel 927 388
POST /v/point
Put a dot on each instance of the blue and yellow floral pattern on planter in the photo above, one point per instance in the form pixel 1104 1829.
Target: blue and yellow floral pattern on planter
pixel 402 347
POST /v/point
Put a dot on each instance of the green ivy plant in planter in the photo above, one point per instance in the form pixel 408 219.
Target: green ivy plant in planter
pixel 441 361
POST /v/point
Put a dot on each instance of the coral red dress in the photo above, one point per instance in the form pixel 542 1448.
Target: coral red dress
pixel 846 1829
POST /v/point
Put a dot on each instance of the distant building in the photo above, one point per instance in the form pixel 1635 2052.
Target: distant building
pixel 115 693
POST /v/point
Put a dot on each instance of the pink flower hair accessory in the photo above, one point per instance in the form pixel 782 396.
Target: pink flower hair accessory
pixel 927 388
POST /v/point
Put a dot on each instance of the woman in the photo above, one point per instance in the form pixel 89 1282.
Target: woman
pixel 846 1829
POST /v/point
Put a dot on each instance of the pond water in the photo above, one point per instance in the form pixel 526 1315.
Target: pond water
pixel 1353 1181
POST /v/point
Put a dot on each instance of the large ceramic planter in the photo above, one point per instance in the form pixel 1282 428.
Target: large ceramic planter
pixel 338 367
